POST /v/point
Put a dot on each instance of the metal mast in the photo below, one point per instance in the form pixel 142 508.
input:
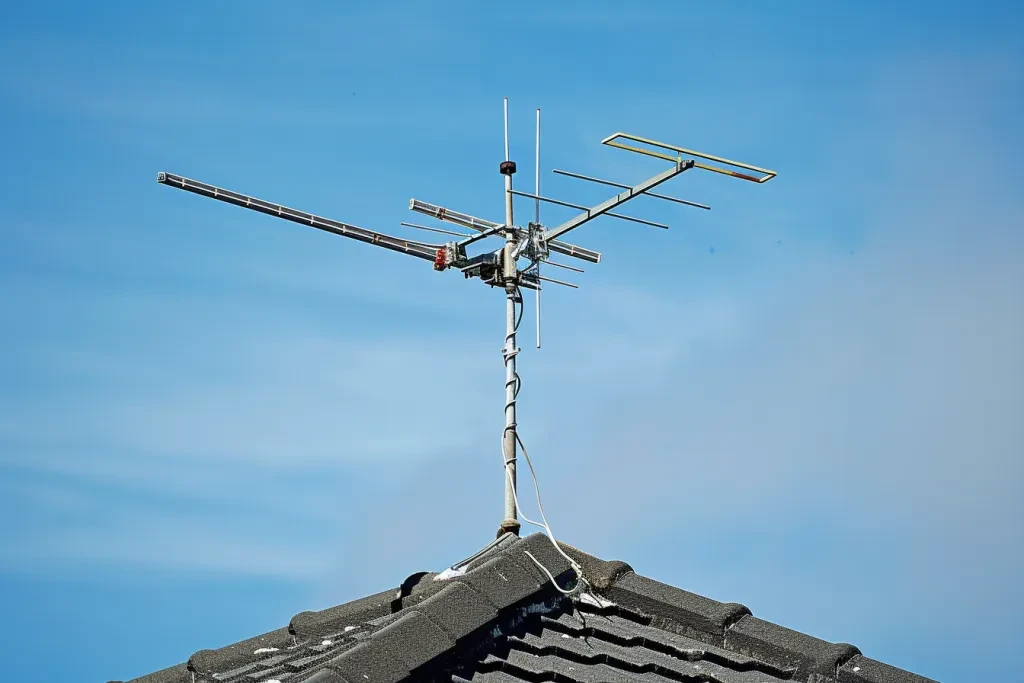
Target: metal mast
pixel 512 294
pixel 500 268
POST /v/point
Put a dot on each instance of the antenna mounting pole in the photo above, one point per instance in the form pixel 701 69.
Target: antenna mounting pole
pixel 512 296
pixel 536 214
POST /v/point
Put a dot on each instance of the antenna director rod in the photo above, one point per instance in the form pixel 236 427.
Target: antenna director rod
pixel 620 198
pixel 583 208
pixel 624 186
pixel 419 249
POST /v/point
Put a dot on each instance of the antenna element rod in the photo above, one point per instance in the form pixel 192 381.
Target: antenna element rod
pixel 622 197
pixel 624 186
pixel 562 265
pixel 536 172
pixel 584 208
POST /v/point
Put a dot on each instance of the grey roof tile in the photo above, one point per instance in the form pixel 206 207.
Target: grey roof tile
pixel 696 614
pixel 785 647
pixel 324 676
pixel 367 662
pixel 637 658
pixel 414 639
pixel 626 632
pixel 541 548
pixel 303 663
pixel 503 582
pixel 601 573
pixel 459 610
pixel 312 624
pixel 178 673
pixel 225 658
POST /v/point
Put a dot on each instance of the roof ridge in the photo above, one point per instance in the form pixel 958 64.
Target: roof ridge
pixel 435 621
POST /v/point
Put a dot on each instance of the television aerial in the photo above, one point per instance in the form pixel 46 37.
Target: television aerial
pixel 516 264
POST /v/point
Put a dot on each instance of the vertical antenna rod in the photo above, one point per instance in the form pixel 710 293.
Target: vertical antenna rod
pixel 508 437
pixel 536 173
pixel 536 191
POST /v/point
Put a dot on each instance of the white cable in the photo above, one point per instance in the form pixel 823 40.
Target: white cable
pixel 582 585
pixel 540 506
pixel 515 498
pixel 544 569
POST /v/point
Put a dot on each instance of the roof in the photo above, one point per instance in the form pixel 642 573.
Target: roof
pixel 496 617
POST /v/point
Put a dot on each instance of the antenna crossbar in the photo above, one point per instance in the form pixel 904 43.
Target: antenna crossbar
pixel 620 198
pixel 418 249
pixel 583 208
pixel 624 186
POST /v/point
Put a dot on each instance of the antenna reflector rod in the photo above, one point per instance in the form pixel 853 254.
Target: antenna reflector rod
pixel 613 141
pixel 557 282
pixel 624 186
pixel 584 208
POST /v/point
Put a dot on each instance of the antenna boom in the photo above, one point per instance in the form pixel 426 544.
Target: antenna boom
pixel 419 249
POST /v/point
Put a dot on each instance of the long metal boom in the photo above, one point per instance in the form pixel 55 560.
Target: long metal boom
pixel 467 221
pixel 421 250
pixel 620 198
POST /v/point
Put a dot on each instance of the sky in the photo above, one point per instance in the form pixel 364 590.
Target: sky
pixel 809 400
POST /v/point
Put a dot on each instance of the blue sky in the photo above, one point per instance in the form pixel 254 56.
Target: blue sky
pixel 807 400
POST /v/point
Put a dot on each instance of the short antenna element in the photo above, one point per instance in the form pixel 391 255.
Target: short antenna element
pixel 499 267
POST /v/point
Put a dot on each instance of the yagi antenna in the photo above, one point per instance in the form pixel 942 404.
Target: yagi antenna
pixel 500 267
